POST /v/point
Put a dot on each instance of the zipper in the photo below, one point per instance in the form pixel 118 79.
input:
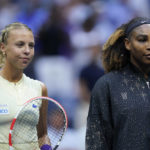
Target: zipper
pixel 147 82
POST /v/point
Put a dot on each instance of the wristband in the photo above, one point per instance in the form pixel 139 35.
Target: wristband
pixel 46 147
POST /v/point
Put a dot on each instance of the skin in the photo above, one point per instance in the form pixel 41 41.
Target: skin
pixel 139 46
pixel 19 51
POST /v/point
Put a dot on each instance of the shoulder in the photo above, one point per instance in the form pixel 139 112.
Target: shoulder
pixel 108 81
pixel 36 84
pixel 28 80
pixel 109 77
pixel 44 89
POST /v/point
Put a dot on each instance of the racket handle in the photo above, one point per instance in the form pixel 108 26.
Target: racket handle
pixel 55 147
pixel 46 147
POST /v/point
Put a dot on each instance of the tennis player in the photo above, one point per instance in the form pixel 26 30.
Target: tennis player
pixel 16 53
pixel 119 113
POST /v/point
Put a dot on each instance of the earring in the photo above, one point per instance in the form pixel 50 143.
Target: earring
pixel 4 54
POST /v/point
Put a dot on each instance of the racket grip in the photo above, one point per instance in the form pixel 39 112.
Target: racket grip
pixel 46 147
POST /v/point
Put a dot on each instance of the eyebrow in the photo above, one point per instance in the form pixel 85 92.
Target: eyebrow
pixel 139 35
pixel 24 41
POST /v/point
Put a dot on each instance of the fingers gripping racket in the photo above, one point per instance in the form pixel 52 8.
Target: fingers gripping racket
pixel 40 121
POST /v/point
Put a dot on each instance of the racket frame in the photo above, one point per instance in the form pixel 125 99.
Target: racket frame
pixel 30 100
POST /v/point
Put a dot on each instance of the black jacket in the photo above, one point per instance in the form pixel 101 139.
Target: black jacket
pixel 119 113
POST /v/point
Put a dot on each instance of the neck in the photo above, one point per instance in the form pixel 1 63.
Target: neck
pixel 11 74
pixel 145 69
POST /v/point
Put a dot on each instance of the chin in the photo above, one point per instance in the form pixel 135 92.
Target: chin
pixel 23 67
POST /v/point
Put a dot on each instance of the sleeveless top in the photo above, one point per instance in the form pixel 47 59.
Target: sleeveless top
pixel 12 97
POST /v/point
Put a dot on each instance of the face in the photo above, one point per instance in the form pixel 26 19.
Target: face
pixel 139 46
pixel 19 48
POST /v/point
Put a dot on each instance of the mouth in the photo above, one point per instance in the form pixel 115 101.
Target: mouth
pixel 25 59
pixel 147 56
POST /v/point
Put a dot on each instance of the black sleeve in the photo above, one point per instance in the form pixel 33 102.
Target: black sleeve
pixel 99 121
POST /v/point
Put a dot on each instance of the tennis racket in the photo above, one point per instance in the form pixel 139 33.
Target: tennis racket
pixel 40 121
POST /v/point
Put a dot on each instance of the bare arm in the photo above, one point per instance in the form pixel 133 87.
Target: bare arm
pixel 42 125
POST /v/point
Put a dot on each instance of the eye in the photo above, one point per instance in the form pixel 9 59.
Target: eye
pixel 31 45
pixel 142 38
pixel 19 44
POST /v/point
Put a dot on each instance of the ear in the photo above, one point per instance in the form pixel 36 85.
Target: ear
pixel 127 44
pixel 2 47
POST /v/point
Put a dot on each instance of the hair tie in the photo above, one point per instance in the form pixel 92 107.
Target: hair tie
pixel 136 24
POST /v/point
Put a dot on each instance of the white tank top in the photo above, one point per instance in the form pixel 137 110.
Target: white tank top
pixel 12 96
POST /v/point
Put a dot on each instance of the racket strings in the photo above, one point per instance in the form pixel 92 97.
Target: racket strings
pixel 56 124
pixel 25 131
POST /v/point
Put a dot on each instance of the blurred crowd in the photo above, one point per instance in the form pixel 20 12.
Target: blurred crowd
pixel 69 36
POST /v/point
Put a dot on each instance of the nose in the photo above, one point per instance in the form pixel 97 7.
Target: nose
pixel 148 45
pixel 26 50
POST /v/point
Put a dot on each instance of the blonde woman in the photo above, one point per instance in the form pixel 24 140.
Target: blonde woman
pixel 16 53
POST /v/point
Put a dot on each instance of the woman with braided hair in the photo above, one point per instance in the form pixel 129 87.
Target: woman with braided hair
pixel 119 113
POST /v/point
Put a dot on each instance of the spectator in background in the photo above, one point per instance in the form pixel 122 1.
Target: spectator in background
pixel 87 78
pixel 141 8
pixel 8 12
pixel 33 13
pixel 120 12
pixel 84 36
pixel 53 37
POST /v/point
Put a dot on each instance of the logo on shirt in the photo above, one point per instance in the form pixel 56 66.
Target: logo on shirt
pixel 34 106
pixel 4 109
pixel 124 95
